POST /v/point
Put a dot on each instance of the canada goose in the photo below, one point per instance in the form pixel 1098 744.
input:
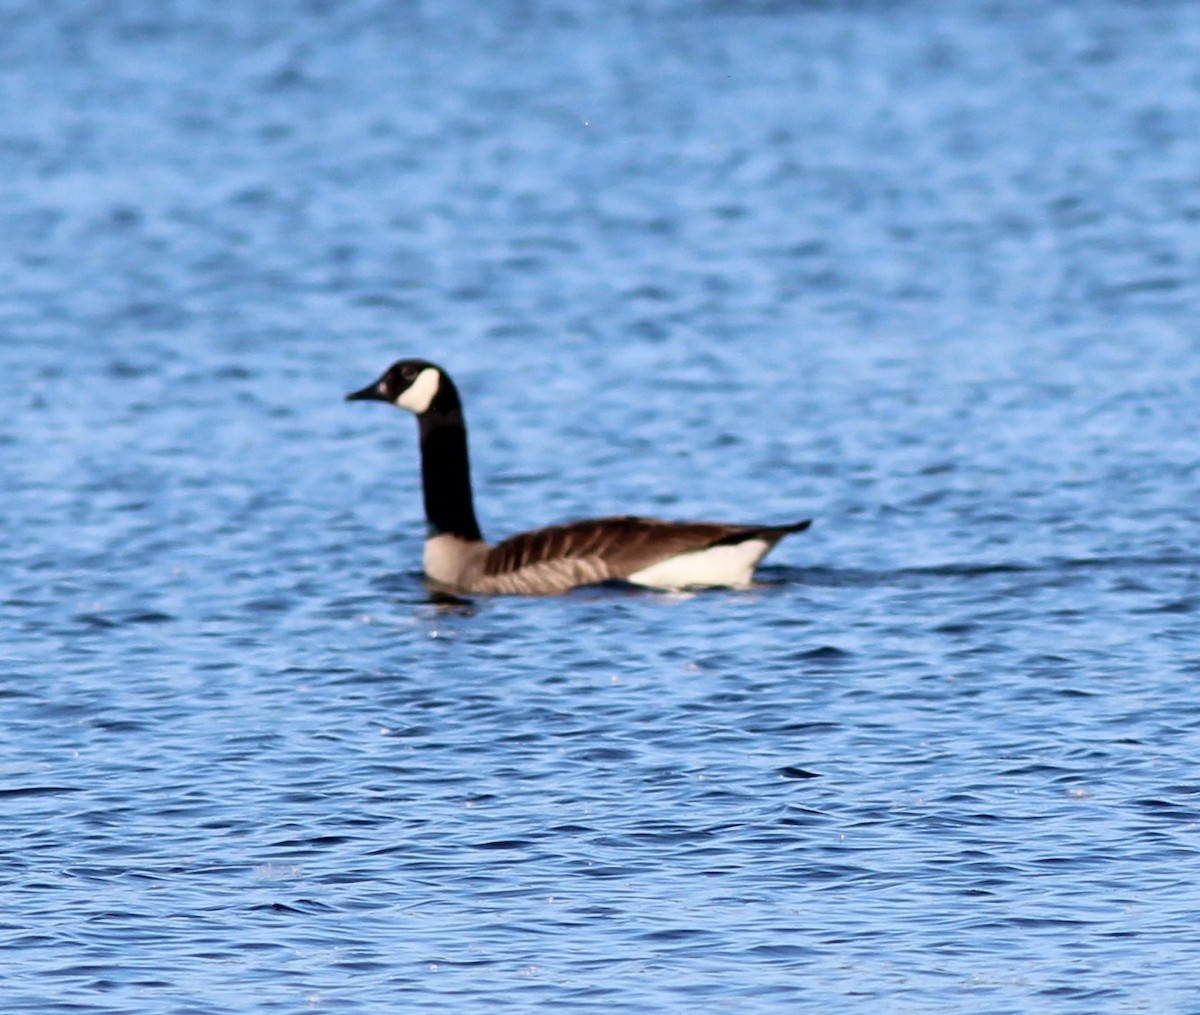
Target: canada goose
pixel 644 551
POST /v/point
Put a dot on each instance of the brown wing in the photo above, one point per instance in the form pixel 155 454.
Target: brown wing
pixel 607 548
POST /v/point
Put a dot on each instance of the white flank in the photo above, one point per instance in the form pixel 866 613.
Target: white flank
pixel 732 564
pixel 419 395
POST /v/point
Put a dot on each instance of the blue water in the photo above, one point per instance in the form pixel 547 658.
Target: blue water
pixel 924 271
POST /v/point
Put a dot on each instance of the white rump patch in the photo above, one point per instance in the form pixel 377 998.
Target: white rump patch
pixel 419 395
pixel 730 564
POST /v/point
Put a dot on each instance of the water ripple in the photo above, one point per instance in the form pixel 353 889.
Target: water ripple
pixel 916 270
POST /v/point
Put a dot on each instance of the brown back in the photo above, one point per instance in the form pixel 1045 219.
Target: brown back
pixel 615 547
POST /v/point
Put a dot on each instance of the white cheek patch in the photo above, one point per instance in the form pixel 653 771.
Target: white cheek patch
pixel 419 395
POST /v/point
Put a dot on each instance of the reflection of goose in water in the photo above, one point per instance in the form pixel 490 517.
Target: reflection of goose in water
pixel 644 551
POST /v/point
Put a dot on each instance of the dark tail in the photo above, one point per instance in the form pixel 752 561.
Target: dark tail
pixel 771 533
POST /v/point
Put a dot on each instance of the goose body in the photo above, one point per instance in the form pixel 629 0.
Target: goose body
pixel 643 551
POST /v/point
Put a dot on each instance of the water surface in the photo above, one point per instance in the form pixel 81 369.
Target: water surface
pixel 923 271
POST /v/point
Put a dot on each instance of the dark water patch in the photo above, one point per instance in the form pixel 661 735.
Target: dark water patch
pixel 606 872
pixel 269 604
pixel 822 656
pixel 1049 570
pixel 1166 808
pixel 603 755
pixel 673 935
pixel 957 628
pixel 797 815
pixel 1181 606
pixel 27 791
pixel 119 619
pixel 317 842
pixel 298 907
pixel 1082 994
pixel 118 725
pixel 97 621
pixel 148 617
pixel 982 570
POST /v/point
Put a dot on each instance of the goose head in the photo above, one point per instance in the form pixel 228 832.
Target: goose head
pixel 412 384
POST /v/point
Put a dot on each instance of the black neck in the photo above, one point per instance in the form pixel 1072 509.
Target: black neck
pixel 445 467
